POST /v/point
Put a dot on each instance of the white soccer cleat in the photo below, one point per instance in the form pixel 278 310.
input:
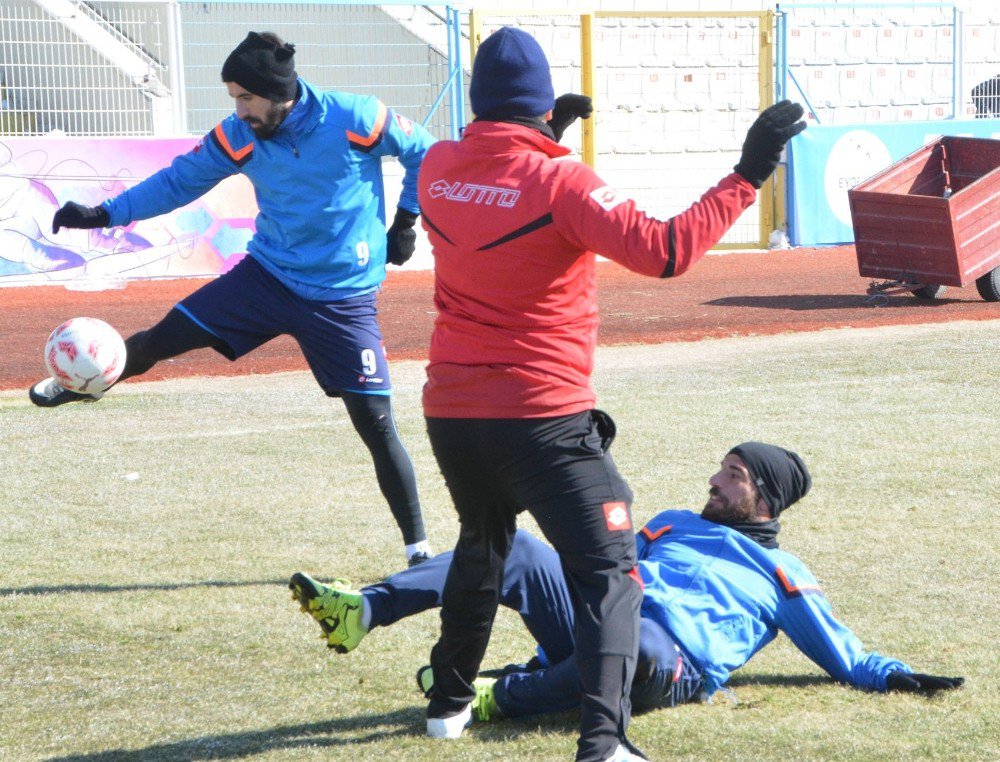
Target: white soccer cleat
pixel 621 754
pixel 450 727
pixel 49 393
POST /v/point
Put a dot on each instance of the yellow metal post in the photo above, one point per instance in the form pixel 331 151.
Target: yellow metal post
pixel 587 85
pixel 475 34
pixel 770 191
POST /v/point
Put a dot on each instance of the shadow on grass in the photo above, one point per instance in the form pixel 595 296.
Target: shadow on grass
pixel 62 589
pixel 785 681
pixel 804 302
pixel 402 723
pixel 383 727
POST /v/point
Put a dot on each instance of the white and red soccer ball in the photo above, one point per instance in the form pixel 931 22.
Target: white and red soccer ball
pixel 85 355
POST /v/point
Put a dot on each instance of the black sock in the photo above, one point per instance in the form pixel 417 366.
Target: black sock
pixel 172 336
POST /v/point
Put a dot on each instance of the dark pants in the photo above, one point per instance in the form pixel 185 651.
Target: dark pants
pixel 559 470
pixel 534 586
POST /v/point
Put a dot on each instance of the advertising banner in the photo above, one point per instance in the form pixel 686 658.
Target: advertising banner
pixel 39 174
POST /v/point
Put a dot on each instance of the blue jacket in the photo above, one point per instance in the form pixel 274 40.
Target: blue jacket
pixel 724 597
pixel 318 183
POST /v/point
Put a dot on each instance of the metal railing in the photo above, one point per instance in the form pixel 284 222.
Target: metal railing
pixel 879 62
pixel 73 68
pixel 152 67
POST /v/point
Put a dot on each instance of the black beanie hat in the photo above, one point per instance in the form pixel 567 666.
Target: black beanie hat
pixel 510 77
pixel 780 475
pixel 263 68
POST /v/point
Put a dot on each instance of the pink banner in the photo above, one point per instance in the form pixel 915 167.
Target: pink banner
pixel 38 175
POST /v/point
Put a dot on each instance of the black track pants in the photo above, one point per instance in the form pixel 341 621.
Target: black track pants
pixel 559 470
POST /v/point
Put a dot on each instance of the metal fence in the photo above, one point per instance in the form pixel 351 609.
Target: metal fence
pixel 152 67
pixel 674 95
pixel 980 61
pixel 398 54
pixel 869 62
pixel 675 92
pixel 85 69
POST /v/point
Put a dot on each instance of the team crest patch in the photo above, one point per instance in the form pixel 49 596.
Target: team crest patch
pixel 616 516
pixel 608 198
pixel 404 124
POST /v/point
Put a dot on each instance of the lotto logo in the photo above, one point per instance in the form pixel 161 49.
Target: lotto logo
pixel 616 516
pixel 607 197
pixel 465 193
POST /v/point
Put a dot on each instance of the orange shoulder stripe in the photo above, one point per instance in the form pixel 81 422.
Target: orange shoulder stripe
pixel 223 142
pixel 794 590
pixel 651 536
pixel 375 134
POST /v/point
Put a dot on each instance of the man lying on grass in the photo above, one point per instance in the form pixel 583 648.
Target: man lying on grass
pixel 716 590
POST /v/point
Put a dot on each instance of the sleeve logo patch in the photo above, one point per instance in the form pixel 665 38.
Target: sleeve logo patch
pixel 608 198
pixel 198 146
pixel 616 516
pixel 404 124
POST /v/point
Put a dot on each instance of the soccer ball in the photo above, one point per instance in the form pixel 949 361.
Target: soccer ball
pixel 85 355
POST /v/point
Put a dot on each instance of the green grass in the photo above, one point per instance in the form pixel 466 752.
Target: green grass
pixel 145 543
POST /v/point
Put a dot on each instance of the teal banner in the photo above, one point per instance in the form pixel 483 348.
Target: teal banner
pixel 825 162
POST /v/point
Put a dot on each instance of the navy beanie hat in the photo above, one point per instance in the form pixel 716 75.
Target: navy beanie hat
pixel 510 77
pixel 263 68
pixel 780 475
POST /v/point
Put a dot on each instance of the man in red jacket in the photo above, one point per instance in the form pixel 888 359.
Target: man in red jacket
pixel 509 407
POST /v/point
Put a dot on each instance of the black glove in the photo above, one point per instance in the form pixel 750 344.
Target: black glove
pixel 917 683
pixel 74 215
pixel 401 238
pixel 568 109
pixel 766 137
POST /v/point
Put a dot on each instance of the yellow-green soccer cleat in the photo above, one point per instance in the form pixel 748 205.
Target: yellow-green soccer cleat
pixel 484 705
pixel 336 607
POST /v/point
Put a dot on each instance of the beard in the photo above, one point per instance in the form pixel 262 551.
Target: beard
pixel 723 511
pixel 266 128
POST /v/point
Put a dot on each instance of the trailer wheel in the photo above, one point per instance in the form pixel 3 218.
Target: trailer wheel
pixel 989 285
pixel 931 291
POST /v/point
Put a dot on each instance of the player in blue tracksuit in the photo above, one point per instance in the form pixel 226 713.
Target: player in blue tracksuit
pixel 717 589
pixel 318 255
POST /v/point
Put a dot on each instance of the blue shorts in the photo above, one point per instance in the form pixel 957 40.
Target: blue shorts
pixel 341 340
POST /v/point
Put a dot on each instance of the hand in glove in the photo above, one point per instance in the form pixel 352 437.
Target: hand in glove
pixel 401 238
pixel 568 109
pixel 766 138
pixel 74 215
pixel 917 683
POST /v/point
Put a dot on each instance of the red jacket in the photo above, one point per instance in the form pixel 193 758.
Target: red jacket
pixel 513 232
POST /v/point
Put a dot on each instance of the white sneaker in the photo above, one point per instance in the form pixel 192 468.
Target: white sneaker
pixel 48 393
pixel 450 727
pixel 621 754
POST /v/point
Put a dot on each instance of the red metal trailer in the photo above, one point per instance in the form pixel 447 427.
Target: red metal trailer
pixel 932 220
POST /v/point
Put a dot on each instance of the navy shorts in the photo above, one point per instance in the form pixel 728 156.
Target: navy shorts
pixel 341 340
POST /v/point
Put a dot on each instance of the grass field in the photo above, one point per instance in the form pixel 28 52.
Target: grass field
pixel 146 541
